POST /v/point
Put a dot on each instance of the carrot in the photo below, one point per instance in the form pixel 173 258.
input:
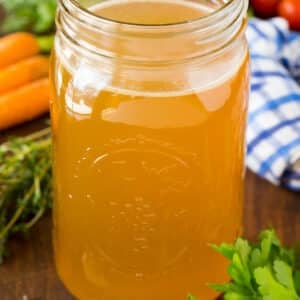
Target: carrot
pixel 17 46
pixel 25 103
pixel 23 72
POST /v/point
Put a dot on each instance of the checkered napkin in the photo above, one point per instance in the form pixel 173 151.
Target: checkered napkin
pixel 273 136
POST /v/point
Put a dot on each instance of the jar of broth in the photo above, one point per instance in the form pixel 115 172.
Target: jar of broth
pixel 148 114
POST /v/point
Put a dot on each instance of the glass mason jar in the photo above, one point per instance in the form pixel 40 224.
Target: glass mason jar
pixel 148 114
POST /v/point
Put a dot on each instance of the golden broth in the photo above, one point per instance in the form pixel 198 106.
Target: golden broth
pixel 144 182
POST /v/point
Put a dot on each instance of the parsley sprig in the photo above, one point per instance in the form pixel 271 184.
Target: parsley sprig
pixel 261 271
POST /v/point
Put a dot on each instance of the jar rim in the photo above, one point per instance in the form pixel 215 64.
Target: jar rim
pixel 208 35
pixel 204 18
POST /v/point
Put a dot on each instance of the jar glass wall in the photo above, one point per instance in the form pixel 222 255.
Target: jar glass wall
pixel 148 116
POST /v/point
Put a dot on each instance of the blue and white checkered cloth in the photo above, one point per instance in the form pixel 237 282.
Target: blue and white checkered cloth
pixel 273 136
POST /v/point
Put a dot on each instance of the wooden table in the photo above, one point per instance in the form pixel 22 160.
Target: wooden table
pixel 29 274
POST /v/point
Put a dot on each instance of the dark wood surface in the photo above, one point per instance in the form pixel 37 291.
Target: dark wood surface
pixel 29 273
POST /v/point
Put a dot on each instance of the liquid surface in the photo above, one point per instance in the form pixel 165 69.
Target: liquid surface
pixel 144 182
pixel 150 12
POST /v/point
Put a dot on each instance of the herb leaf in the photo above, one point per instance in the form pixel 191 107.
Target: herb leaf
pixel 35 16
pixel 25 184
pixel 260 271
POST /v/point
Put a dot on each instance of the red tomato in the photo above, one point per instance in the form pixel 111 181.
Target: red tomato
pixel 265 8
pixel 290 10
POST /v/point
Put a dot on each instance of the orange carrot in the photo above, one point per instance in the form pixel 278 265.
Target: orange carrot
pixel 23 72
pixel 25 103
pixel 17 46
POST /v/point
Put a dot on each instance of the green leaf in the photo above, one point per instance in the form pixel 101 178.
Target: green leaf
pixel 239 271
pixel 268 239
pixel 271 289
pixel 297 281
pixel 243 249
pixel 31 15
pixel 237 296
pixel 225 249
pixel 261 271
pixel 46 16
pixel 46 42
pixel 257 259
pixel 283 273
pixel 231 287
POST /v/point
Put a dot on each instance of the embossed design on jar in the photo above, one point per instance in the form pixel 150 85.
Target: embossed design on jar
pixel 147 220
